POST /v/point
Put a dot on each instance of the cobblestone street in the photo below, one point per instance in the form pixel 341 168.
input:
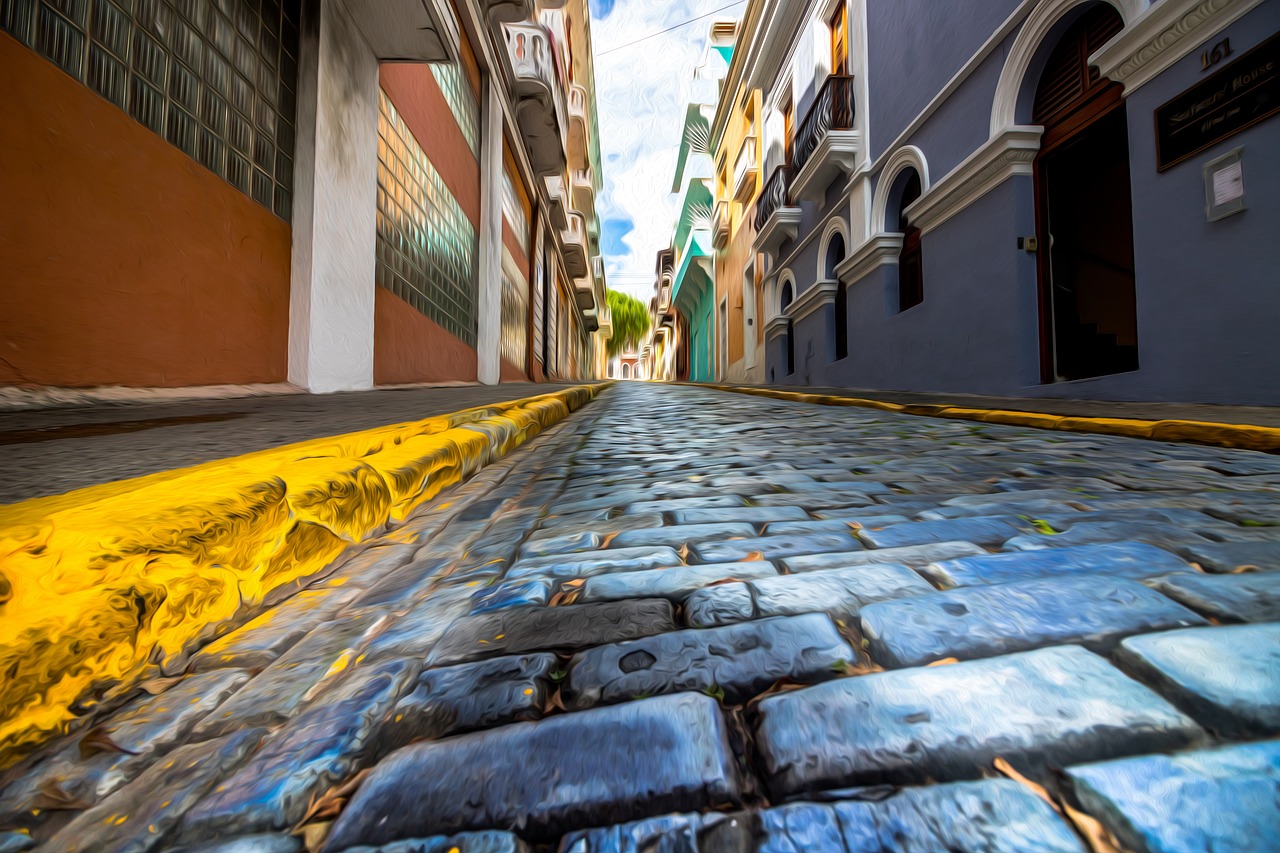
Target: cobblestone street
pixel 692 620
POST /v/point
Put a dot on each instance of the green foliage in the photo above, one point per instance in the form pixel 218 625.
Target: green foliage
pixel 630 321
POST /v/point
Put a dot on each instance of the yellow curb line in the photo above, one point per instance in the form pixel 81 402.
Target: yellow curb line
pixel 110 584
pixel 1241 436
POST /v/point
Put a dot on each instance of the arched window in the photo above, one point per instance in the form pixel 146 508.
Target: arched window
pixel 784 304
pixel 835 254
pixel 626 371
pixel 910 264
pixel 609 373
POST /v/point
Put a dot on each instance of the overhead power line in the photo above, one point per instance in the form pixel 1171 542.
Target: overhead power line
pixel 669 29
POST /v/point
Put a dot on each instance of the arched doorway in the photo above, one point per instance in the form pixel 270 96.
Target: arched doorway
pixel 1084 210
pixel 835 254
pixel 789 337
pixel 910 262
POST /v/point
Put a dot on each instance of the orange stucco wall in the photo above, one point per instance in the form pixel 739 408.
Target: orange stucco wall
pixel 123 261
pixel 408 346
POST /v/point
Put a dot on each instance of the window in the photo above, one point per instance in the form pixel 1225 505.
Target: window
pixel 788 127
pixel 784 304
pixel 626 371
pixel 840 40
pixel 910 264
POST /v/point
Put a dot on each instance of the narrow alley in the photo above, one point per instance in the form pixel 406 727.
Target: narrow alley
pixel 688 619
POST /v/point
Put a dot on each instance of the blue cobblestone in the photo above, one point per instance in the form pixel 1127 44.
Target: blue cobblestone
pixel 1119 559
pixel 981 621
pixel 1226 677
pixel 1211 800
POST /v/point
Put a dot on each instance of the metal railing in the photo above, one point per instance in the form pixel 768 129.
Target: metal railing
pixel 773 196
pixel 832 110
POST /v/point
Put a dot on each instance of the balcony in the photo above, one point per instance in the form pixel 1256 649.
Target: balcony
pixel 559 210
pixel 744 171
pixel 720 234
pixel 826 145
pixel 540 111
pixel 508 11
pixel 579 126
pixel 776 219
pixel 666 263
pixel 582 182
pixel 574 238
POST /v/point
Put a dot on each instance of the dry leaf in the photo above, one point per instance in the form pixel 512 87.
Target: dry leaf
pixel 158 685
pixel 330 803
pixel 1007 769
pixel 1240 570
pixel 944 662
pixel 726 580
pixel 576 582
pixel 554 702
pixel 557 599
pixel 314 835
pixel 608 538
pixel 754 556
pixel 683 551
pixel 97 740
pixel 1095 835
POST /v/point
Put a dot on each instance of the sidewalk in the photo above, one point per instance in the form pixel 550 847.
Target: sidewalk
pixel 1267 416
pixel 51 451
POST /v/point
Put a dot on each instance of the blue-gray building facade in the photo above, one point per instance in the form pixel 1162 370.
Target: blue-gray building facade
pixel 1053 198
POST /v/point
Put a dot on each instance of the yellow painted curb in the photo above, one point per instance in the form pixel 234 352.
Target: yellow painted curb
pixel 1241 436
pixel 106 585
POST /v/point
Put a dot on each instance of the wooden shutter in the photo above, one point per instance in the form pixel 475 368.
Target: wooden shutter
pixel 1067 81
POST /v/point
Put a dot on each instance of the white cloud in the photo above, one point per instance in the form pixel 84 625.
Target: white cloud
pixel 641 94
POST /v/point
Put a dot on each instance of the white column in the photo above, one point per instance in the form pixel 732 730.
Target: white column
pixel 334 205
pixel 489 296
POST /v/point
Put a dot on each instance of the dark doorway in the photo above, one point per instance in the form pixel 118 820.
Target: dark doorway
pixel 835 254
pixel 790 342
pixel 1084 212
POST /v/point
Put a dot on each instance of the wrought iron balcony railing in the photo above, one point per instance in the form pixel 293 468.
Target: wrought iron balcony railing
pixel 832 110
pixel 773 196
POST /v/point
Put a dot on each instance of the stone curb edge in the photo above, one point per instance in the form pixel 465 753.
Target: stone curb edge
pixel 116 582
pixel 1240 436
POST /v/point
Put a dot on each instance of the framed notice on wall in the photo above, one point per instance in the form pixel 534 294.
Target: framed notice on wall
pixel 1241 94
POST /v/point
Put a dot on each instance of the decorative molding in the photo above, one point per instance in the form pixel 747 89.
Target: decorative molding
pixel 906 156
pixel 1029 41
pixel 1007 154
pixel 784 224
pixel 880 250
pixel 1162 35
pixel 820 293
pixel 777 327
pixel 837 153
pixel 835 225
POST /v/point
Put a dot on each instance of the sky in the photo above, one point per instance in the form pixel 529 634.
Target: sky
pixel 641 93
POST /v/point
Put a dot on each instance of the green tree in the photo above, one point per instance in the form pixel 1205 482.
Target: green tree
pixel 630 321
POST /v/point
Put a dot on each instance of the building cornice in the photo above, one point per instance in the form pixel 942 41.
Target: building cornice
pixel 1162 35
pixel 881 249
pixel 820 294
pixel 1006 154
pixel 776 327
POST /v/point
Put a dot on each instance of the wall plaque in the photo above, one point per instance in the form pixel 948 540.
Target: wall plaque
pixel 1240 95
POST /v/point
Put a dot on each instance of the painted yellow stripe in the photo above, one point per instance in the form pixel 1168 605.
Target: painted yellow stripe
pixel 1198 432
pixel 102 586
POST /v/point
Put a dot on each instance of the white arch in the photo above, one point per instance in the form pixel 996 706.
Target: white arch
pixel 836 225
pixel 908 156
pixel 1043 18
pixel 784 278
